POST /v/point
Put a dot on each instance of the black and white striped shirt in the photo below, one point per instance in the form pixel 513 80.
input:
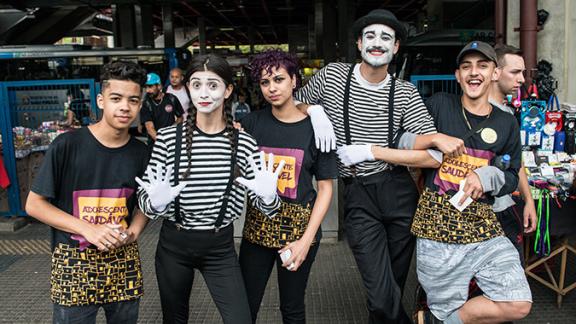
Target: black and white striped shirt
pixel 202 197
pixel 368 109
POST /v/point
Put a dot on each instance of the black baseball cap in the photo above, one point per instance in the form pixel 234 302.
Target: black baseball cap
pixel 480 47
pixel 379 16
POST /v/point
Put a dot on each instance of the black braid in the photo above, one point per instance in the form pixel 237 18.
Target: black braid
pixel 227 115
pixel 190 123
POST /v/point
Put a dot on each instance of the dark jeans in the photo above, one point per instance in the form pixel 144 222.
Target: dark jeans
pixel 378 213
pixel 257 262
pixel 513 226
pixel 116 313
pixel 179 252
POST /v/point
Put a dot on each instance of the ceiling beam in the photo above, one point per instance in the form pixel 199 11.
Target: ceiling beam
pixel 208 21
pixel 230 23
pixel 90 3
pixel 269 17
pixel 248 20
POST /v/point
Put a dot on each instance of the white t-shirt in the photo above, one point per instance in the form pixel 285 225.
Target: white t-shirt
pixel 182 97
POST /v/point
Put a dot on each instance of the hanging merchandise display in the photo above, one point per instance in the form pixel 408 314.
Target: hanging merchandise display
pixel 542 241
pixel 517 102
pixel 553 113
pixel 570 131
pixel 548 140
pixel 532 121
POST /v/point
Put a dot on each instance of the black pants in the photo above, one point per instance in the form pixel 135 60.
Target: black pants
pixel 378 215
pixel 513 227
pixel 257 262
pixel 179 252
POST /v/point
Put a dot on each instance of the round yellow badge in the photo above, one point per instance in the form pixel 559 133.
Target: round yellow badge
pixel 489 135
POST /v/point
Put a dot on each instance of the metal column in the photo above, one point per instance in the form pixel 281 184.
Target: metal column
pixel 500 12
pixel 167 26
pixel 528 36
pixel 144 25
pixel 202 35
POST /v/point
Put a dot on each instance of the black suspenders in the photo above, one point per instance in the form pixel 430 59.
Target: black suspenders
pixel 224 206
pixel 347 114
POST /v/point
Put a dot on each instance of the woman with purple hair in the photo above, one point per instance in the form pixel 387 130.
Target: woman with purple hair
pixel 291 238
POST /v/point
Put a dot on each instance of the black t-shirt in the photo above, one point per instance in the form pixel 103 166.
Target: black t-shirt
pixel 88 180
pixel 294 143
pixel 162 114
pixel 499 136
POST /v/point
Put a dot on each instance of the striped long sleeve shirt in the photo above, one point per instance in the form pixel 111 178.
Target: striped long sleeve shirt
pixel 201 199
pixel 368 109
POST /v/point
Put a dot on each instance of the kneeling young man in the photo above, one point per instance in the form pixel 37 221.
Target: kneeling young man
pixel 455 246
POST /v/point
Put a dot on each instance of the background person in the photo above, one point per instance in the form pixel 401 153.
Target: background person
pixel 159 109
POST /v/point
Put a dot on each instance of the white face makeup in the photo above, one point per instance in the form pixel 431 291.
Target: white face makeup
pixel 378 44
pixel 207 91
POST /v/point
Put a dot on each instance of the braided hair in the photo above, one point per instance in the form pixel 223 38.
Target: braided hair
pixel 219 66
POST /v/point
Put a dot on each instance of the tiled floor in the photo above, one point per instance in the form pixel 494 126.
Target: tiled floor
pixel 335 292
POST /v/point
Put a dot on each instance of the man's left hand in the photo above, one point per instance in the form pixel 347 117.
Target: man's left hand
pixel 530 217
pixel 324 135
pixel 472 188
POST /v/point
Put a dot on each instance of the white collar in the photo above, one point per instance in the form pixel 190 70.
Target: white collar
pixel 369 85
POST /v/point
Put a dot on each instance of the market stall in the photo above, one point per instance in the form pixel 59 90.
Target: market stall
pixel 32 115
pixel 548 139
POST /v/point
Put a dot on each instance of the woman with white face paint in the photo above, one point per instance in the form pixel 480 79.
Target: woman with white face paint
pixel 200 201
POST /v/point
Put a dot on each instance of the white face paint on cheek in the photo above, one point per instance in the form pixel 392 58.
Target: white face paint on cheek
pixel 207 91
pixel 378 44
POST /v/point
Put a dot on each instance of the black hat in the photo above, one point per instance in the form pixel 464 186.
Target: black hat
pixel 480 47
pixel 379 16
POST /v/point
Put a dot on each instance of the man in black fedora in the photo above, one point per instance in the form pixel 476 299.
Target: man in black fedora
pixel 367 106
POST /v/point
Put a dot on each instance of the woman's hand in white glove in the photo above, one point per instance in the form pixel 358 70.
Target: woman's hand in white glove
pixel 159 190
pixel 265 182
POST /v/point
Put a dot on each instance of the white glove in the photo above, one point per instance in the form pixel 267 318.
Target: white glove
pixel 323 129
pixel 353 154
pixel 265 182
pixel 159 191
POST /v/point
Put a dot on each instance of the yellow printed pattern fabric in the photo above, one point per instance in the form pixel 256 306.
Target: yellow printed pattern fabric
pixel 436 219
pixel 92 277
pixel 287 226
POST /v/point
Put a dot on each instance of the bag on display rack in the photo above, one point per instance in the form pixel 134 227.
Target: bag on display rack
pixel 532 119
pixel 570 131
pixel 553 113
